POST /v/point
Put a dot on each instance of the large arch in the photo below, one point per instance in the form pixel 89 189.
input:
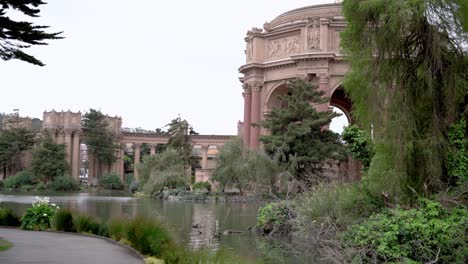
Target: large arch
pixel 339 100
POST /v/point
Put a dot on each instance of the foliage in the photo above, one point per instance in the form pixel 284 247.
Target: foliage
pixel 273 217
pixel 202 186
pixel 428 234
pixel 408 80
pixel 148 236
pixel 112 182
pixel 179 132
pixel 240 167
pixel 8 218
pixel 117 228
pixel 12 144
pixel 458 155
pixel 99 138
pixel 19 179
pixel 5 245
pixel 63 221
pixel 49 160
pixel 85 224
pixel 337 204
pixel 18 35
pixel 40 215
pixel 297 132
pixel 358 145
pixel 163 170
pixel 64 183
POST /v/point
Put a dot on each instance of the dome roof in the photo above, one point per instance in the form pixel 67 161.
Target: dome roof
pixel 303 13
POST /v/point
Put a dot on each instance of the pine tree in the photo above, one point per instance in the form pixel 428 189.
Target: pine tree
pixel 298 133
pixel 13 142
pixel 179 132
pixel 18 35
pixel 49 160
pixel 99 139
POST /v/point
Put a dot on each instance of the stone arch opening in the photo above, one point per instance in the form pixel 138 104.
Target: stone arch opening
pixel 273 100
pixel 342 102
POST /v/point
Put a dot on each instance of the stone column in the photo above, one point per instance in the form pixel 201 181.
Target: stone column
pixel 324 34
pixel 204 157
pixel 255 115
pixel 323 81
pixel 76 157
pixel 136 150
pixel 68 146
pixel 91 168
pixel 152 150
pixel 247 113
pixel 121 170
pixel 60 137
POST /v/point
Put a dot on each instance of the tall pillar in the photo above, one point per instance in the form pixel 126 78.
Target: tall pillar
pixel 91 168
pixel 255 115
pixel 247 113
pixel 204 157
pixel 152 150
pixel 76 157
pixel 136 149
pixel 323 81
pixel 60 137
pixel 68 146
pixel 121 162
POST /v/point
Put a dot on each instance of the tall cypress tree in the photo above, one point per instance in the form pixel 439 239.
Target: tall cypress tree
pixel 297 132
pixel 15 36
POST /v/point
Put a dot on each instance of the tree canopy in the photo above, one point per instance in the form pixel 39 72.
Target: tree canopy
pixel 12 144
pixel 49 160
pixel 298 134
pixel 408 79
pixel 15 36
pixel 99 139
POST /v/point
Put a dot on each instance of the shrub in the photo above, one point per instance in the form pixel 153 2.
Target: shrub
pixel 64 183
pixel 148 236
pixel 40 215
pixel 63 221
pixel 129 178
pixel 426 234
pixel 274 217
pixel 336 204
pixel 134 187
pixel 202 186
pixel 117 228
pixel 112 182
pixel 19 179
pixel 86 224
pixel 8 218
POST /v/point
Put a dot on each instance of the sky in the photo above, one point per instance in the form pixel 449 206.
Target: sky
pixel 146 61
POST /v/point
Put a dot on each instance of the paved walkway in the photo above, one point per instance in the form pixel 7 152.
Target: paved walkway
pixel 53 248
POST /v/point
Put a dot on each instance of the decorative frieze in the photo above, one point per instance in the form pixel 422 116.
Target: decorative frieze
pixel 285 46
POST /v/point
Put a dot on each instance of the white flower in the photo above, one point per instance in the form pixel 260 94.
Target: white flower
pixel 45 214
pixel 53 204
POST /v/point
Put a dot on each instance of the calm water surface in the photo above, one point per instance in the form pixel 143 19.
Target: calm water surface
pixel 210 217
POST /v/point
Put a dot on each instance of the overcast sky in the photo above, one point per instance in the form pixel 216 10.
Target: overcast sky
pixel 146 61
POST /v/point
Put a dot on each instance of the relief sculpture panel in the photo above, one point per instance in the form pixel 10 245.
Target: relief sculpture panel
pixel 281 47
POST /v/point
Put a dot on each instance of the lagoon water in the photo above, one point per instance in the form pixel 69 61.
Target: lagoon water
pixel 192 223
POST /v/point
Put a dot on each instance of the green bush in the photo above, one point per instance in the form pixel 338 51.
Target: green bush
pixel 8 218
pixel 63 221
pixel 39 216
pixel 129 178
pixel 148 236
pixel 117 228
pixel 85 224
pixel 274 217
pixel 202 186
pixel 424 234
pixel 64 183
pixel 112 182
pixel 19 179
pixel 337 204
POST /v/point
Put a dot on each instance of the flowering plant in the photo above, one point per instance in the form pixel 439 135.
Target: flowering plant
pixel 40 215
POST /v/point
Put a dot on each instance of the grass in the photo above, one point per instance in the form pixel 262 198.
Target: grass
pixel 5 245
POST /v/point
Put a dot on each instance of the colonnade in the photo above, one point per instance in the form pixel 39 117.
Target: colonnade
pixel 71 139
